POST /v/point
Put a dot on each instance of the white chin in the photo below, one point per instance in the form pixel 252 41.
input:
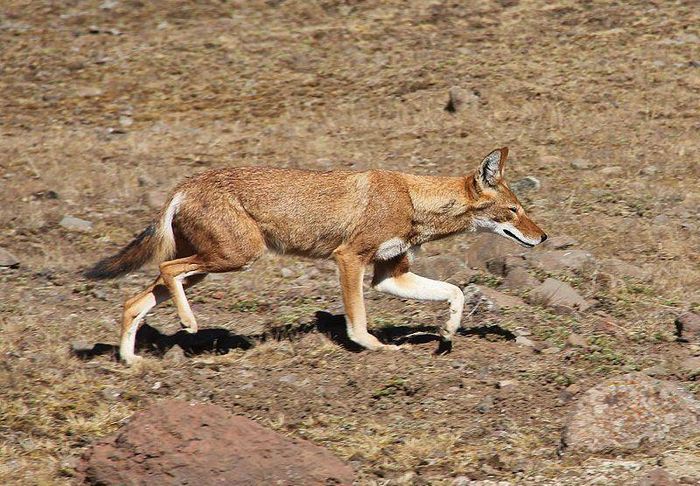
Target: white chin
pixel 516 238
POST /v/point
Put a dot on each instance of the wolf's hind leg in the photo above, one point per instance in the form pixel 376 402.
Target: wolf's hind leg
pixel 137 307
pixel 173 274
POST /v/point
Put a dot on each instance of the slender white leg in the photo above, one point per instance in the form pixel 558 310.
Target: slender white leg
pixel 411 286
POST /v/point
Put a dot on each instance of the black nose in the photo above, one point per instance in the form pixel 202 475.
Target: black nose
pixel 544 237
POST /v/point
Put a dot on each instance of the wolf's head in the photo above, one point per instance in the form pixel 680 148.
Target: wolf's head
pixel 497 210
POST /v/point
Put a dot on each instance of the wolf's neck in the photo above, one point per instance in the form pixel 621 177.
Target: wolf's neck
pixel 440 207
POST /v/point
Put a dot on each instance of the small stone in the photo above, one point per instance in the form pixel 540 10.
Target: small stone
pixel 489 299
pixel 576 341
pixel 111 393
pixel 175 355
pixel 568 393
pixel 506 385
pixel 457 97
pixel 559 242
pixel 551 160
pixel 526 184
pixel 454 100
pixel 286 272
pixel 519 279
pixel 611 171
pixel 407 479
pixel 581 164
pixel 688 326
pixel 561 260
pixel 108 4
pixel 501 265
pixel 523 341
pixel 551 350
pixel 289 379
pixel 7 259
pixel 461 481
pixel 75 224
pixel 650 170
pixel 89 91
pixel 690 368
pixel 81 346
pixel 656 371
pixel 126 121
pixel 559 296
pixel 486 404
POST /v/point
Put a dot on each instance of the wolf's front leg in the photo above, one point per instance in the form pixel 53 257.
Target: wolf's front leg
pixel 393 277
pixel 352 269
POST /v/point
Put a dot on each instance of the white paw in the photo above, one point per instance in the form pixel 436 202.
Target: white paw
pixel 390 347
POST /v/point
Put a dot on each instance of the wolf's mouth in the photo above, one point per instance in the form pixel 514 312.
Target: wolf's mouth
pixel 524 243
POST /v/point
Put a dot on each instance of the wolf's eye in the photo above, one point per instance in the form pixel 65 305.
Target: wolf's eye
pixel 515 210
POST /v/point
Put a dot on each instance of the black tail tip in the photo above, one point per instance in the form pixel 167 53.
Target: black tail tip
pixel 101 271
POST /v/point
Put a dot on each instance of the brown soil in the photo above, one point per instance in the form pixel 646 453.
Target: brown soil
pixel 108 107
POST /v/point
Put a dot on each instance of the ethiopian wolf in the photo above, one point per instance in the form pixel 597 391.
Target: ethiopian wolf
pixel 223 220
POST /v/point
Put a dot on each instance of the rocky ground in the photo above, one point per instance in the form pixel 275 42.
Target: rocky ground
pixel 570 356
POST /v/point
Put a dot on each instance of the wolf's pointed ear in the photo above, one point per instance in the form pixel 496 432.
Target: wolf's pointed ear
pixel 491 169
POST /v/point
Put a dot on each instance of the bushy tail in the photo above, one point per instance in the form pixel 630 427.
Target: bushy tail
pixel 156 242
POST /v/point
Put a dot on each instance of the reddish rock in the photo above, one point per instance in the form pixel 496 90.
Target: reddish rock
pixel 629 411
pixel 173 442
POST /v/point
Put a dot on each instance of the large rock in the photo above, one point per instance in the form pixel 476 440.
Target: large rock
pixel 519 278
pixel 629 411
pixel 622 269
pixel 556 261
pixel 489 299
pixel 173 442
pixel 487 247
pixel 558 295
pixel 440 267
pixel 7 259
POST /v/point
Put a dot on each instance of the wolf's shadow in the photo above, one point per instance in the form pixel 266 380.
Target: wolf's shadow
pixel 220 341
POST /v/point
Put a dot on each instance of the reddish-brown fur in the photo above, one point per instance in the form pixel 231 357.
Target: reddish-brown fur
pixel 223 220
